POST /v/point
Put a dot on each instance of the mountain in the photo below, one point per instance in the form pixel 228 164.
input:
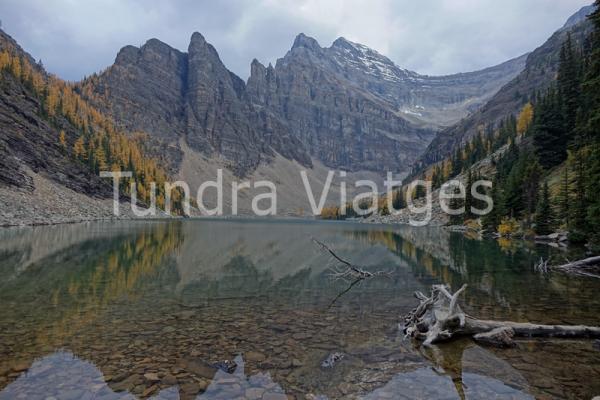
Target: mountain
pixel 191 96
pixel 339 123
pixel 29 143
pixel 53 146
pixel 579 16
pixel 184 115
pixel 539 73
pixel 345 106
pixel 425 100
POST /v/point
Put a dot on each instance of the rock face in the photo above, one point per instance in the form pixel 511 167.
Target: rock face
pixel 355 109
pixel 216 115
pixel 173 95
pixel 347 105
pixel 153 71
pixel 539 73
pixel 425 100
pixel 339 124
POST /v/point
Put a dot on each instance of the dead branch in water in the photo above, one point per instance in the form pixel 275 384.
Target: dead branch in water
pixel 589 267
pixel 439 318
pixel 541 267
pixel 351 271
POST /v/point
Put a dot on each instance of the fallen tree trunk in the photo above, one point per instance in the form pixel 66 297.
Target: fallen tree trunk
pixel 439 318
pixel 582 267
pixel 526 329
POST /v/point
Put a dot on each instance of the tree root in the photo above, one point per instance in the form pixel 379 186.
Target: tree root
pixel 438 318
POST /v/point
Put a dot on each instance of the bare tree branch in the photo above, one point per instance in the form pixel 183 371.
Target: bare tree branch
pixel 351 273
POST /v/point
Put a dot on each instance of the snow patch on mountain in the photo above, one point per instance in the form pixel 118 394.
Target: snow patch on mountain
pixel 369 61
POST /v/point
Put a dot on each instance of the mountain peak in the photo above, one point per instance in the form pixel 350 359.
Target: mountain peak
pixel 256 68
pixel 341 42
pixel 155 43
pixel 200 47
pixel 127 55
pixel 158 46
pixel 305 41
pixel 197 38
pixel 359 50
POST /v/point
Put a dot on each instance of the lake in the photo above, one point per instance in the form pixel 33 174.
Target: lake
pixel 227 309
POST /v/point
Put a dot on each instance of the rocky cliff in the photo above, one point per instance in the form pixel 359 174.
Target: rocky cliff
pixel 172 95
pixel 339 123
pixel 346 106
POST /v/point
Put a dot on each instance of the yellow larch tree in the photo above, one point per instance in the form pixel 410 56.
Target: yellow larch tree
pixel 52 100
pixel 525 118
pixel 79 148
pixel 62 139
pixel 4 60
pixel 16 67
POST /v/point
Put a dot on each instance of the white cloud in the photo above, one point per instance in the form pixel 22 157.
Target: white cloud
pixel 76 38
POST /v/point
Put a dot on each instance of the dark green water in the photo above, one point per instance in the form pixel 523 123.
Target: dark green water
pixel 147 309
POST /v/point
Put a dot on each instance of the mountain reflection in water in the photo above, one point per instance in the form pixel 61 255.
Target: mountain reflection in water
pixel 148 309
pixel 63 375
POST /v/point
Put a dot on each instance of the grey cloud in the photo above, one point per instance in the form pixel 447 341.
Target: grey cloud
pixel 429 36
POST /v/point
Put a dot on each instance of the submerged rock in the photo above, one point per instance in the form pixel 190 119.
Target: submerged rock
pixel 226 366
pixel 332 359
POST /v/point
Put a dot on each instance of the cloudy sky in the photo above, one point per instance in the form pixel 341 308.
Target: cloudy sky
pixel 75 38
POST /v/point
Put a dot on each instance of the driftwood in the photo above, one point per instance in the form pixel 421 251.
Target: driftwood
pixel 588 267
pixel 439 318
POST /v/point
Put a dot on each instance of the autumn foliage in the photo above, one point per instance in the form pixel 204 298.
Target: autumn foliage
pixel 97 142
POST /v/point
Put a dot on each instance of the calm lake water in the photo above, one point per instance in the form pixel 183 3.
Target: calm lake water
pixel 205 309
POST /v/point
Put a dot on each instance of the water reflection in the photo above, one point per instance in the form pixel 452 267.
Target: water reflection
pixel 112 303
pixel 502 284
pixel 64 375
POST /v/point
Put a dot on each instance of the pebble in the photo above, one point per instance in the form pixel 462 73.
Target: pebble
pixel 152 377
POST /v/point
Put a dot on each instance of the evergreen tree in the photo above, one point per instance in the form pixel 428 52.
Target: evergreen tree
pixel 491 221
pixel 531 185
pixel 513 190
pixel 455 204
pixel 457 163
pixel 590 125
pixel 569 84
pixel 579 209
pixel 544 218
pixel 549 138
pixel 593 209
pixel 564 197
pixel 468 196
pixel 591 84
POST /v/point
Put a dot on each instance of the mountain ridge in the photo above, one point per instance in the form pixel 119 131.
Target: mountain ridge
pixel 539 73
pixel 361 122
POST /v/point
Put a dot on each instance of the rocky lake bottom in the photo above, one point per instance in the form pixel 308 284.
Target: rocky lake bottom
pixel 208 309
